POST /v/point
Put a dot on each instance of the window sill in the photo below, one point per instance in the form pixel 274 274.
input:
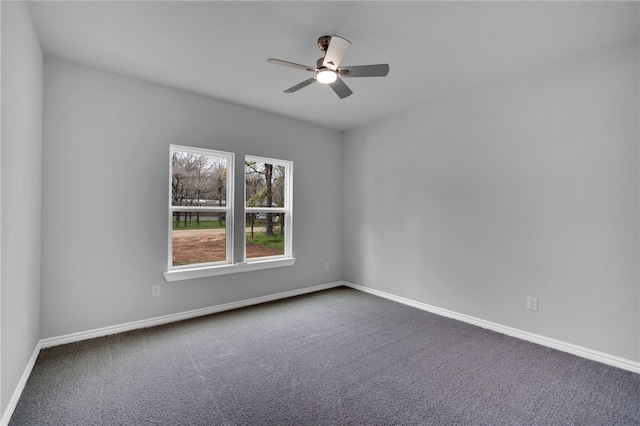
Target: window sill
pixel 212 271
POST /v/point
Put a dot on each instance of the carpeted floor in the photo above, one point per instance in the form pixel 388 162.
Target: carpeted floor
pixel 336 357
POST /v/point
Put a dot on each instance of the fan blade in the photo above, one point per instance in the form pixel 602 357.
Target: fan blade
pixel 380 70
pixel 290 64
pixel 300 85
pixel 341 89
pixel 338 46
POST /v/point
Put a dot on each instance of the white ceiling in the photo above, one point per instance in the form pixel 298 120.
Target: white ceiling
pixel 434 49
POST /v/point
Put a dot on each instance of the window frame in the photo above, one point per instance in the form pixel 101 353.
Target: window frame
pixel 287 209
pixel 231 265
pixel 227 209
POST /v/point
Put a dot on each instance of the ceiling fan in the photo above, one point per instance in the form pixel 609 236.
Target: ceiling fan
pixel 327 71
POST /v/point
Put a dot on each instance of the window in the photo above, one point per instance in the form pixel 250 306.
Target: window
pixel 201 209
pixel 267 208
pixel 203 240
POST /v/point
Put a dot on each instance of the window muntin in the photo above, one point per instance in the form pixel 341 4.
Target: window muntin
pixel 201 213
pixel 268 212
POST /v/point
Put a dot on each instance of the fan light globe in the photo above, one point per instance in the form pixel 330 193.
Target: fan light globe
pixel 326 76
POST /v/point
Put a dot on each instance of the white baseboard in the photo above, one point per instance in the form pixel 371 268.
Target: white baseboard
pixel 13 402
pixel 166 319
pixel 90 334
pixel 580 351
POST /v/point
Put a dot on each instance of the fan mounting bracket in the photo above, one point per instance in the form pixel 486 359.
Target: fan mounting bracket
pixel 323 42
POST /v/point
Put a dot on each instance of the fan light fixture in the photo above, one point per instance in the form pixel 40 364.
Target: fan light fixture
pixel 326 76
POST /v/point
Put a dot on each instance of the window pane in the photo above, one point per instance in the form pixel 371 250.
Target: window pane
pixel 198 237
pixel 264 234
pixel 264 184
pixel 198 179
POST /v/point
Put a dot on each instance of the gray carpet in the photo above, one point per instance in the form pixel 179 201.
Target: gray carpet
pixel 336 357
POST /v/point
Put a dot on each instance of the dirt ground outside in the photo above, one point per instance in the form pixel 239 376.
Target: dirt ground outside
pixel 208 245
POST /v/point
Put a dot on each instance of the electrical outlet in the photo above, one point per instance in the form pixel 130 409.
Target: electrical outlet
pixel 327 266
pixel 532 303
pixel 24 332
pixel 155 290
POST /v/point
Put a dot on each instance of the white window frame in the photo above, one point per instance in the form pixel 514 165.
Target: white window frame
pixel 232 264
pixel 287 209
pixel 227 209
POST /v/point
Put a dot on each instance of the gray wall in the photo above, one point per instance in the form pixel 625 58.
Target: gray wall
pixel 527 187
pixel 20 193
pixel 105 194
